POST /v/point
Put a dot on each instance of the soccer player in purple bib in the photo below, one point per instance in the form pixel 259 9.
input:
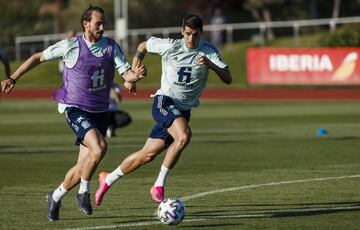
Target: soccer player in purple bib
pixel 185 66
pixel 90 60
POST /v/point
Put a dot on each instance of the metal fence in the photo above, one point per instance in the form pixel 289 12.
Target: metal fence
pixel 27 45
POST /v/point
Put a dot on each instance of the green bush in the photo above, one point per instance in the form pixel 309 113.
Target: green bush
pixel 347 35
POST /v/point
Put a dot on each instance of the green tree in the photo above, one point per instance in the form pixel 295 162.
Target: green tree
pixel 345 36
pixel 72 14
pixel 18 17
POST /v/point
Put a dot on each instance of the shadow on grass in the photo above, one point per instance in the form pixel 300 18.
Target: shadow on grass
pixel 221 226
pixel 345 138
pixel 26 149
pixel 273 210
pixel 225 215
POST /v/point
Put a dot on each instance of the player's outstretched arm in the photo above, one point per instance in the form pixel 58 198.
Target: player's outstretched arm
pixel 138 70
pixel 137 67
pixel 8 84
pixel 139 55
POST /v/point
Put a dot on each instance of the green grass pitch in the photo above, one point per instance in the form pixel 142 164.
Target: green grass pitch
pixel 250 165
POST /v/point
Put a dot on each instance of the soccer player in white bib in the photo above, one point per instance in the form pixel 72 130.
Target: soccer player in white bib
pixel 185 66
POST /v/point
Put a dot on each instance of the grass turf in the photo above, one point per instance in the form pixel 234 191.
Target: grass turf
pixel 239 145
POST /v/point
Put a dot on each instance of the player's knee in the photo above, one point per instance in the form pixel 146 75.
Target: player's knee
pixel 98 152
pixel 184 139
pixel 188 136
pixel 147 157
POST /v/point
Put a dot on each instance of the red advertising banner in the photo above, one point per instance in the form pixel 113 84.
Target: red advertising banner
pixel 303 66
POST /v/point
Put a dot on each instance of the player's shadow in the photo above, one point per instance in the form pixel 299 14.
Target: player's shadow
pixel 221 226
pixel 26 150
pixel 233 137
pixel 272 210
pixel 345 138
pixel 226 215
pixel 216 142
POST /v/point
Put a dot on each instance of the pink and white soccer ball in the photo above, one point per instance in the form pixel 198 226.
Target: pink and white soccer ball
pixel 171 211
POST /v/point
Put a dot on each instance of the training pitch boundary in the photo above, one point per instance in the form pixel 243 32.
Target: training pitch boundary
pixel 269 214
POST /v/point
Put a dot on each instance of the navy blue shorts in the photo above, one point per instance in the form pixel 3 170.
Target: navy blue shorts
pixel 164 113
pixel 81 122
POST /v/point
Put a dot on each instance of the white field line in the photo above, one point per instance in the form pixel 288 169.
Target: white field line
pixel 185 198
pixel 269 214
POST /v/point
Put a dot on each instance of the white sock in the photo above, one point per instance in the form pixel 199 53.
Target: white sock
pixel 114 176
pixel 59 193
pixel 84 186
pixel 162 176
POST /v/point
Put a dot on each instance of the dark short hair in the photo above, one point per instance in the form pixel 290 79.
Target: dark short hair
pixel 193 21
pixel 86 16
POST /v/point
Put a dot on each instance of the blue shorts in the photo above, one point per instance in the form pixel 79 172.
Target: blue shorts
pixel 81 122
pixel 164 113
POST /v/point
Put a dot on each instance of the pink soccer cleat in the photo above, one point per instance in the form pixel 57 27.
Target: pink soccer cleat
pixel 157 193
pixel 103 188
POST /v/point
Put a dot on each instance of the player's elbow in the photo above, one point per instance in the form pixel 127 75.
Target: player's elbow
pixel 228 81
pixel 37 58
pixel 227 78
pixel 142 47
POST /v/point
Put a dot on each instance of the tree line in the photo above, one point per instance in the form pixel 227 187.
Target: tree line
pixel 23 17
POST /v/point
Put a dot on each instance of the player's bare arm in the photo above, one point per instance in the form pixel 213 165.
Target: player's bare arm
pixel 138 67
pixel 8 84
pixel 223 73
pixel 139 55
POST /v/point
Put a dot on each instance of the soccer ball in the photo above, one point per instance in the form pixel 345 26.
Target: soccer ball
pixel 171 211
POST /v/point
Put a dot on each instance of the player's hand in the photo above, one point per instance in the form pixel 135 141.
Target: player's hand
pixel 7 85
pixel 140 71
pixel 130 87
pixel 204 61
